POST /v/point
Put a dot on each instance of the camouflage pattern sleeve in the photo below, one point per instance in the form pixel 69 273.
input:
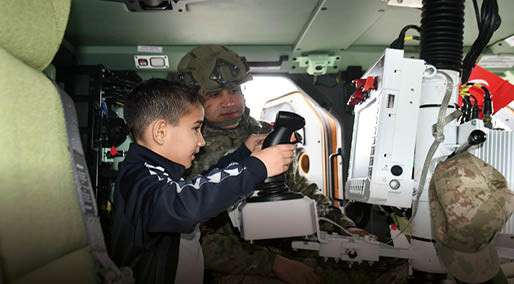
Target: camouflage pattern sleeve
pixel 298 183
pixel 225 253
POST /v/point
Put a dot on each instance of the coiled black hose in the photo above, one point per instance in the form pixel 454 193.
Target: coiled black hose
pixel 442 26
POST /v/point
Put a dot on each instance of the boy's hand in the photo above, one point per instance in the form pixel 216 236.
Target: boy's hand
pixel 276 158
pixel 292 271
pixel 254 141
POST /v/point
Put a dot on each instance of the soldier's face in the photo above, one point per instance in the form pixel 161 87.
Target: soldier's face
pixel 223 107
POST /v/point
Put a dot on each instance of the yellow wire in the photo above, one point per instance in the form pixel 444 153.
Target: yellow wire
pixel 464 90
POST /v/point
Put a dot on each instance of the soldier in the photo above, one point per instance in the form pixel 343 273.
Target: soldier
pixel 470 202
pixel 219 72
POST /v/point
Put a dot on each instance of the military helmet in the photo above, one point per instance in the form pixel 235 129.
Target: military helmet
pixel 469 203
pixel 213 67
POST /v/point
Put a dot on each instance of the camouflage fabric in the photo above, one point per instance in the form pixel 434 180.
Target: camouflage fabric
pixel 387 271
pixel 213 67
pixel 232 260
pixel 469 202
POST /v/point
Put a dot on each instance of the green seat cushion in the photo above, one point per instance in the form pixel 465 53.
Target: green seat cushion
pixel 75 267
pixel 40 215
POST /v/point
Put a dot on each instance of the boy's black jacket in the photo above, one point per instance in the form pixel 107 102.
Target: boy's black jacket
pixel 153 204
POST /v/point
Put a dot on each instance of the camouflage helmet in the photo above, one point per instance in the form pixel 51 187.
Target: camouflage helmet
pixel 213 67
pixel 469 203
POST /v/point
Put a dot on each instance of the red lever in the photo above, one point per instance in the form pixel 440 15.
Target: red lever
pixel 363 87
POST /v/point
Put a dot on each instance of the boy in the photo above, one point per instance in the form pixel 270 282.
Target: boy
pixel 156 212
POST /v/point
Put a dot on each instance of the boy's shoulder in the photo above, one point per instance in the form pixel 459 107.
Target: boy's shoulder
pixel 141 162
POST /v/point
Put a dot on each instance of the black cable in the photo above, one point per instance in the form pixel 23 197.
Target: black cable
pixel 399 43
pixel 466 109
pixel 474 113
pixel 489 21
pixel 477 14
pixel 487 108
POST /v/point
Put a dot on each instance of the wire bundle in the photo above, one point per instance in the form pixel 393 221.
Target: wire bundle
pixel 470 105
pixel 488 21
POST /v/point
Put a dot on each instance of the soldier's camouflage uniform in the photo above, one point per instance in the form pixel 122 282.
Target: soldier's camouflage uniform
pixel 229 259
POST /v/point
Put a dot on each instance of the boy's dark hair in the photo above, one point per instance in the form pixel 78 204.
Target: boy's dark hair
pixel 157 99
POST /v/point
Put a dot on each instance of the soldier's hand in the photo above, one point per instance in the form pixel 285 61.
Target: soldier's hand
pixel 254 142
pixel 357 231
pixel 276 158
pixel 292 271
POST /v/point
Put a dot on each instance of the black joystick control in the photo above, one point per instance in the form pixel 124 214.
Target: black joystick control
pixel 275 188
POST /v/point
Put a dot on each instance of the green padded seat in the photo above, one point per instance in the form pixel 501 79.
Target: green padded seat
pixel 42 235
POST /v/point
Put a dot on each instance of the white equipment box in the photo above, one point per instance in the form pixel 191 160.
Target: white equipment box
pixel 277 219
pixel 384 133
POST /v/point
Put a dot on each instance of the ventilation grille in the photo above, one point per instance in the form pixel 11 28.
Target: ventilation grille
pixel 498 151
